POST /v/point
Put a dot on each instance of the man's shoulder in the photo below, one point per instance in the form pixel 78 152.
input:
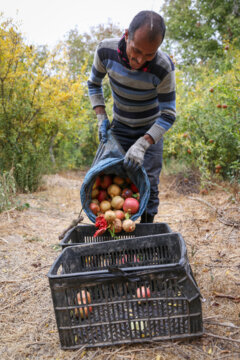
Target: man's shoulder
pixel 110 43
pixel 164 61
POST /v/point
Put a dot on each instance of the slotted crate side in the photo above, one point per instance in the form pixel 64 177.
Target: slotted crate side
pixel 143 251
pixel 113 312
pixel 84 234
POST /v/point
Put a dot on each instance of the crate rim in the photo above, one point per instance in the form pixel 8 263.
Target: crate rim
pixel 127 270
pixel 181 263
pixel 63 242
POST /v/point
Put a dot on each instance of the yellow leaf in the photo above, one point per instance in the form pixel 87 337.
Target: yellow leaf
pixel 210 351
pixel 83 354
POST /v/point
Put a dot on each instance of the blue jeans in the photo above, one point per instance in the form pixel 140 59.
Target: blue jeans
pixel 127 136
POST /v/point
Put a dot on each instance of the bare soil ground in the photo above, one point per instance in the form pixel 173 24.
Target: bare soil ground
pixel 29 245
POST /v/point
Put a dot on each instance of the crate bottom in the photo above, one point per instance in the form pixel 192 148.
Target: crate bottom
pixel 134 330
pixel 136 341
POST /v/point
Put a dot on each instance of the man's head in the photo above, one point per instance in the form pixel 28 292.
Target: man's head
pixel 143 38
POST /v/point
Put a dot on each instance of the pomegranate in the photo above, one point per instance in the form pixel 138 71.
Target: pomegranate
pixel 95 193
pixel 102 195
pixel 114 190
pixel 101 224
pixel 94 208
pixel 131 205
pixel 119 214
pixel 83 298
pixel 105 205
pixel 110 216
pixel 143 292
pixel 128 225
pixel 137 196
pixel 135 259
pixel 117 202
pixel 124 258
pixel 126 193
pixel 116 226
pixel 134 188
pixel 106 181
pixel 96 183
pixel 95 201
pixel 118 180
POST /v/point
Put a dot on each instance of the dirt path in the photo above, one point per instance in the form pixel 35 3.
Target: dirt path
pixel 29 245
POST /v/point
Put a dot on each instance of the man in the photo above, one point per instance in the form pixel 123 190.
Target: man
pixel 143 87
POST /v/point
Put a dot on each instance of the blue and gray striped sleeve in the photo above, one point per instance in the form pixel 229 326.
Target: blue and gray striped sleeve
pixel 98 72
pixel 167 106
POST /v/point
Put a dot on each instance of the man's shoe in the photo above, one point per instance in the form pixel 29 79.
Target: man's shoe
pixel 146 218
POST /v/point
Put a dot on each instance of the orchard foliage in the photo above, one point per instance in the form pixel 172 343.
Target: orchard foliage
pixel 198 29
pixel 81 47
pixel 203 37
pixel 206 133
pixel 44 113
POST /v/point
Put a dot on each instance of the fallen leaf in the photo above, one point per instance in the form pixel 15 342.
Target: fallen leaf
pixel 226 296
pixel 214 303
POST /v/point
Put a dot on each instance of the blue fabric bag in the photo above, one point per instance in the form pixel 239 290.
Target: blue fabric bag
pixel 109 160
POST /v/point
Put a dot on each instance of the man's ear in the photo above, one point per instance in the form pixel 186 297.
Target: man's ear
pixel 126 35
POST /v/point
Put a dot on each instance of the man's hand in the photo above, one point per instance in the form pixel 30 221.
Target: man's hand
pixel 103 126
pixel 135 154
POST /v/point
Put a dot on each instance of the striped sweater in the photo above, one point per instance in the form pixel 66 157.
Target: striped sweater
pixel 141 97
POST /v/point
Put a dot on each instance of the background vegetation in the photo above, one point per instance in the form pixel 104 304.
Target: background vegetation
pixel 46 121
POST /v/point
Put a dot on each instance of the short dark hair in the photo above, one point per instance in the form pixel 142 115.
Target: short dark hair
pixel 152 20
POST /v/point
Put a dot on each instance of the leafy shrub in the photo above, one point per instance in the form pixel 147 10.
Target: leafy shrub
pixel 206 133
pixel 7 190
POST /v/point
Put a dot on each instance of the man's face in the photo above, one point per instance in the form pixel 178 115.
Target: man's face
pixel 140 49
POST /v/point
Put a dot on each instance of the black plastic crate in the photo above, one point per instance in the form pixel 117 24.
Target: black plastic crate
pixel 82 234
pixel 100 300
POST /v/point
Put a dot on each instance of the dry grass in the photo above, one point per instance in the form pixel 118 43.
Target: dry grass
pixel 29 245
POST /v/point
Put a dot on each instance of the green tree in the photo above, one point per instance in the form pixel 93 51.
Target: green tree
pixel 198 29
pixel 81 47
pixel 40 106
pixel 206 134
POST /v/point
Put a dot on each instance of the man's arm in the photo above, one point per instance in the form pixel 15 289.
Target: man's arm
pixel 167 106
pixel 100 110
pixel 95 92
pixel 149 139
pixel 98 72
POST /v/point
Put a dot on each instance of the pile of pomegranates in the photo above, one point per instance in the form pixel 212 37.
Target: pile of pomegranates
pixel 114 200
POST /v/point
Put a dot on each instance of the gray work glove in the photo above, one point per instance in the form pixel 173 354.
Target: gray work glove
pixel 135 154
pixel 103 126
